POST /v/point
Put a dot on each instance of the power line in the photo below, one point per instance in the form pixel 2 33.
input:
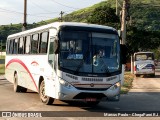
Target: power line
pixel 39 6
pixel 15 12
pixel 11 11
pixel 64 5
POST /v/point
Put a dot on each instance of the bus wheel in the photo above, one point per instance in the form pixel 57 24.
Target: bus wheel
pixel 152 75
pixel 92 103
pixel 137 75
pixel 16 87
pixel 44 98
pixel 23 89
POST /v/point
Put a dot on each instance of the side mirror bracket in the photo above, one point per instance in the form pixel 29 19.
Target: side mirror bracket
pixel 123 54
pixel 56 45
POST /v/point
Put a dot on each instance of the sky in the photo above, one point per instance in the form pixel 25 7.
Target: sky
pixel 11 11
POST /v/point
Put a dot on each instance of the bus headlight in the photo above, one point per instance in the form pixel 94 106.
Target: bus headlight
pixel 64 83
pixel 115 86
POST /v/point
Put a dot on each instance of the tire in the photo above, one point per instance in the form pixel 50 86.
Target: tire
pixel 23 89
pixel 92 103
pixel 16 87
pixel 44 98
pixel 152 75
pixel 137 75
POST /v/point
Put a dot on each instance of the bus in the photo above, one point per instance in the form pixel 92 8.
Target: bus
pixel 67 61
pixel 144 64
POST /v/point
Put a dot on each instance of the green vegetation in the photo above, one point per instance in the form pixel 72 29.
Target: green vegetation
pixel 128 79
pixel 2 66
pixel 2 69
pixel 2 57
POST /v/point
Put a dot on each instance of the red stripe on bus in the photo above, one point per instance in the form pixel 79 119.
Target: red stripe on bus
pixel 20 62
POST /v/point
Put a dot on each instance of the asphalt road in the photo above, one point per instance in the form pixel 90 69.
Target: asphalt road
pixel 144 96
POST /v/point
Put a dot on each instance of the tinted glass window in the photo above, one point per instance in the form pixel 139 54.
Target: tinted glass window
pixel 21 46
pixel 44 42
pixel 34 45
pixel 15 51
pixel 11 47
pixel 7 50
pixel 28 45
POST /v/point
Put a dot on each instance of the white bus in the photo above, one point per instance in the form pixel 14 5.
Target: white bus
pixel 66 61
pixel 144 64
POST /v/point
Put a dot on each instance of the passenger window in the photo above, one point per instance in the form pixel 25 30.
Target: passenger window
pixel 11 47
pixel 21 46
pixel 34 44
pixel 15 51
pixel 28 45
pixel 44 42
pixel 7 50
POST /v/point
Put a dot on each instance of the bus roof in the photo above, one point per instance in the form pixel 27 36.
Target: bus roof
pixel 58 24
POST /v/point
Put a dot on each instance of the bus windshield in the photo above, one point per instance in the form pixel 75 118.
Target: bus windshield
pixel 89 52
pixel 144 56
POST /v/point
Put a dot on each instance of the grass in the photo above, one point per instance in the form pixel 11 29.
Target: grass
pixel 128 79
pixel 2 57
pixel 2 66
pixel 2 69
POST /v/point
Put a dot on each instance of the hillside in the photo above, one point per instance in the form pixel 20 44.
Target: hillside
pixel 144 15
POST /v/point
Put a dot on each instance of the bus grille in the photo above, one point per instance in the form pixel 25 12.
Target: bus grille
pixel 72 76
pixel 93 79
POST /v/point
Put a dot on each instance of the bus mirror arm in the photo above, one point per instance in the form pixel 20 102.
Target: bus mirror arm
pixel 123 54
pixel 56 46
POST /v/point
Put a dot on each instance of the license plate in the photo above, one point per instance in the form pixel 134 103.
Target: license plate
pixel 90 99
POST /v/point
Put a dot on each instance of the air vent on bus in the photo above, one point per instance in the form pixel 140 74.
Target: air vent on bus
pixel 72 76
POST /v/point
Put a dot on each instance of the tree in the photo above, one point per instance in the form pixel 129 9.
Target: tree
pixel 104 15
pixel 142 40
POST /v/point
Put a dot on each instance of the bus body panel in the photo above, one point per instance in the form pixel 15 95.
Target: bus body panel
pixel 28 72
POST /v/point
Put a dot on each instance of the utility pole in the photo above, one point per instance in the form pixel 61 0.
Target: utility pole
pixel 25 16
pixel 123 23
pixel 125 17
pixel 61 18
pixel 116 7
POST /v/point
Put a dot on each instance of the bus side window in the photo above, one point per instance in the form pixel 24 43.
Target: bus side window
pixel 44 42
pixel 11 47
pixel 15 51
pixel 21 46
pixel 28 45
pixel 8 46
pixel 34 44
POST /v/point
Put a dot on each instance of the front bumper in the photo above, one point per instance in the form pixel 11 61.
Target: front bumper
pixel 111 94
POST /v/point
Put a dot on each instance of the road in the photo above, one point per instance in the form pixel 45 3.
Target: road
pixel 144 96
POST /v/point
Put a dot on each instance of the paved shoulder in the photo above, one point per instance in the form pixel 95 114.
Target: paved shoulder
pixel 146 84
